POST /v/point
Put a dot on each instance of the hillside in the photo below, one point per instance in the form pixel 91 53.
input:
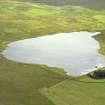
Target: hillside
pixel 94 4
pixel 78 91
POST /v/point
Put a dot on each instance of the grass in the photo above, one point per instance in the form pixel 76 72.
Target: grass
pixel 79 91
pixel 28 9
pixel 101 39
pixel 20 84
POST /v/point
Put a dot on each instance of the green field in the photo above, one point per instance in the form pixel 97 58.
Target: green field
pixel 23 84
pixel 79 91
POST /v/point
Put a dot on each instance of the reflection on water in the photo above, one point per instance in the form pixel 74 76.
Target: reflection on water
pixel 76 52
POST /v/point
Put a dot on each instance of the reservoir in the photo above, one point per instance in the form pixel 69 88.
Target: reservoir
pixel 75 52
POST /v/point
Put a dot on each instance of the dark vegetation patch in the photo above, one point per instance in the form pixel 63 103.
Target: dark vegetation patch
pixel 98 74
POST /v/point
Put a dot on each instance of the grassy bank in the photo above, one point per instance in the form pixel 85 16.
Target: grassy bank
pixel 78 91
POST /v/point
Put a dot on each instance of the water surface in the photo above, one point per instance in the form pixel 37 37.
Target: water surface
pixel 76 52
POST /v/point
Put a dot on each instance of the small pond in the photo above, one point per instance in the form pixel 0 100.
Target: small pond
pixel 75 52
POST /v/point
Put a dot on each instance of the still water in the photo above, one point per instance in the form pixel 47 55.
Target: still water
pixel 75 52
